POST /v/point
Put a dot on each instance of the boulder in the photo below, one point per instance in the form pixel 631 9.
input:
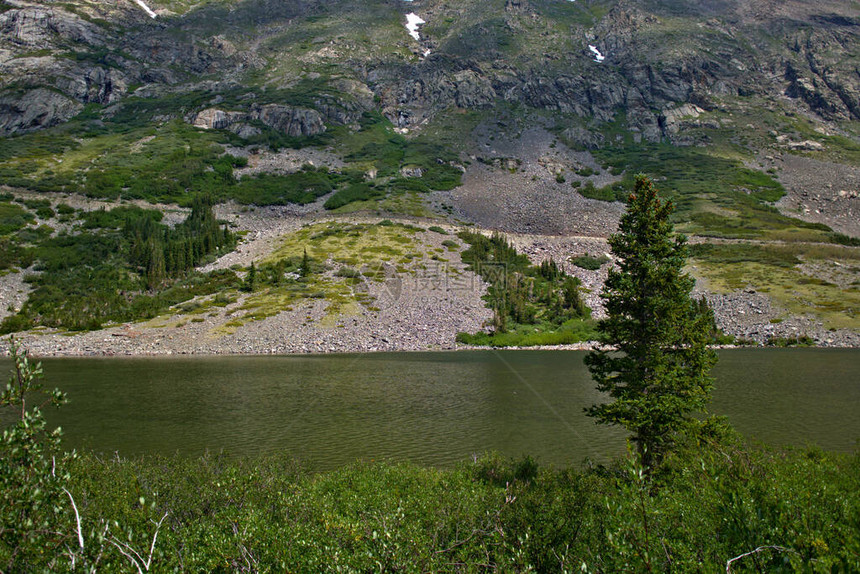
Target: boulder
pixel 215 119
pixel 671 118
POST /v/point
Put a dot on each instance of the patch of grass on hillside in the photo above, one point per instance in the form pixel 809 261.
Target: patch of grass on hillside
pixel 774 270
pixel 589 262
pixel 488 37
pixel 714 196
pixel 331 261
pixel 376 145
pixel 354 192
pixel 348 244
pixel 570 13
pixel 270 189
pixel 568 333
pixel 13 217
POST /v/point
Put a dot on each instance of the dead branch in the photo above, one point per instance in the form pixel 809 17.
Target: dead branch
pixel 756 551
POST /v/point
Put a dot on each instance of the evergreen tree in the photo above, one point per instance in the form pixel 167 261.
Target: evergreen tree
pixel 251 278
pixel 155 268
pixel 572 299
pixel 655 360
pixel 305 265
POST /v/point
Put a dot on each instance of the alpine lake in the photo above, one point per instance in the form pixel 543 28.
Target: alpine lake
pixel 434 408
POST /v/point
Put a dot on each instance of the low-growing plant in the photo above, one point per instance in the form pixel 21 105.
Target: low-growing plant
pixel 793 341
pixel 589 262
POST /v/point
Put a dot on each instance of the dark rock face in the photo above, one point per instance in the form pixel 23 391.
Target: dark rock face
pixel 39 108
pixel 37 26
pixel 28 38
pixel 813 75
pixel 295 122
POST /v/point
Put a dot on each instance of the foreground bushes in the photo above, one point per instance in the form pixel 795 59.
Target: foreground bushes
pixel 707 507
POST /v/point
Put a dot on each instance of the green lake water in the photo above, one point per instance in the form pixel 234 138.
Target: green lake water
pixel 429 408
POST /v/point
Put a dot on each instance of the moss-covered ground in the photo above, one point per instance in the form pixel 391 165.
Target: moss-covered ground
pixel 330 261
pixel 783 272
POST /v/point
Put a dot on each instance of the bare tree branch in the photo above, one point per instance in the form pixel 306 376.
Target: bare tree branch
pixel 77 519
pixel 756 551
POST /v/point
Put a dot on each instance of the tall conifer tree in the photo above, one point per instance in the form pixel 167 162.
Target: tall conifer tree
pixel 655 359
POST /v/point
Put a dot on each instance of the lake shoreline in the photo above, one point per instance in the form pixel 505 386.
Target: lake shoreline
pixel 41 347
pixel 411 311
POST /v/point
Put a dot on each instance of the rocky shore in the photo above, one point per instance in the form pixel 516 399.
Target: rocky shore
pixel 410 311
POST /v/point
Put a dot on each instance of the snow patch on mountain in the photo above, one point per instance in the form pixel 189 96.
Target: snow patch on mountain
pixel 146 8
pixel 598 57
pixel 413 20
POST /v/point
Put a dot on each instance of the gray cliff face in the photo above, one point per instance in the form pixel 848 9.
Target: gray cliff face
pixel 56 57
pixel 294 122
pixel 41 27
pixel 35 109
pixel 816 73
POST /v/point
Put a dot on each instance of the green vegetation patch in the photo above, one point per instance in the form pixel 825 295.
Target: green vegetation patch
pixel 589 262
pixel 534 335
pixel 532 305
pixel 128 156
pixel 350 244
pixel 509 515
pixel 775 270
pixel 714 193
pixel 354 192
pixel 330 261
pixel 377 148
pixel 123 265
pixel 301 187
pixel 13 217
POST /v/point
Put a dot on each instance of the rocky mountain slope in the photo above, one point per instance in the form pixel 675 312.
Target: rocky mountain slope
pixel 529 117
pixel 57 57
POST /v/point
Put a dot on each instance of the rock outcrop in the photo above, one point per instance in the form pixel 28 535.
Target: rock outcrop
pixel 656 58
pixel 294 122
pixel 35 109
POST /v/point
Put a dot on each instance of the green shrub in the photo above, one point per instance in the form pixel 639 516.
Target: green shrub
pixel 348 272
pixel 13 217
pixel 301 187
pixel 588 262
pixel 353 192
pixel 794 341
